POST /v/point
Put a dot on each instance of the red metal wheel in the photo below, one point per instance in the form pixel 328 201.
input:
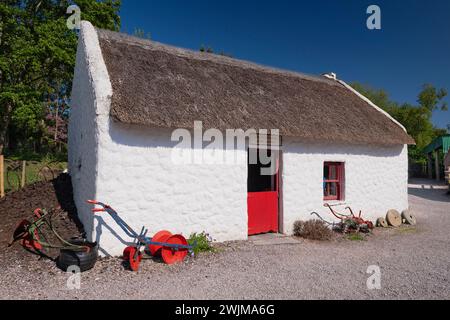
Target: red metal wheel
pixel 161 236
pixel 129 255
pixel 172 255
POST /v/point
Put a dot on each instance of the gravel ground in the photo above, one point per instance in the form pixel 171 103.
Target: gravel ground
pixel 414 263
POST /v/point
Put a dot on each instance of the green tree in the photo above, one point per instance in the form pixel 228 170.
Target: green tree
pixel 37 61
pixel 415 118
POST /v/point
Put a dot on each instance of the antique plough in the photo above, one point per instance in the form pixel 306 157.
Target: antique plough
pixel 348 223
pixel 172 248
pixel 35 231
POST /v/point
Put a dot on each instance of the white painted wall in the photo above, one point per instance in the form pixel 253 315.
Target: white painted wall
pixel 91 91
pixel 376 179
pixel 137 177
pixel 131 168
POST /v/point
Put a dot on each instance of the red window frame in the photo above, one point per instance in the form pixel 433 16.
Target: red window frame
pixel 339 169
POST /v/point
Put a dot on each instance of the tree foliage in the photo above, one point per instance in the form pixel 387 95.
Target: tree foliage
pixel 36 65
pixel 416 118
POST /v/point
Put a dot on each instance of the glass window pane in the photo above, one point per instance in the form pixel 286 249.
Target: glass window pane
pixel 326 173
pixel 333 189
pixel 330 189
pixel 333 173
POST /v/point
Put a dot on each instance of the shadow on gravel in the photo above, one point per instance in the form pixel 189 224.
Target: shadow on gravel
pixel 429 194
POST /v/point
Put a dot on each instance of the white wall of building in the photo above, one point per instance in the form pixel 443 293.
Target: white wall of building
pixel 136 175
pixel 91 91
pixel 376 179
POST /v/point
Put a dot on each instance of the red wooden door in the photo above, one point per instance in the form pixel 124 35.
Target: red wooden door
pixel 263 209
pixel 262 212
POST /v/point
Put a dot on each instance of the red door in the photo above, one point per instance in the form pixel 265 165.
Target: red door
pixel 262 201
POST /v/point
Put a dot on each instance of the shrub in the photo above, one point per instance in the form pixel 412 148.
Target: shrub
pixel 203 242
pixel 313 230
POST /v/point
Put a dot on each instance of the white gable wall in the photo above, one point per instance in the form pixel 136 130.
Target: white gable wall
pixel 90 92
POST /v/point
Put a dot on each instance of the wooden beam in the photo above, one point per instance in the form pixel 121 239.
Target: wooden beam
pixel 22 181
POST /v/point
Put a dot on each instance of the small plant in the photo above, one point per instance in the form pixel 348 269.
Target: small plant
pixel 202 242
pixel 313 230
pixel 355 237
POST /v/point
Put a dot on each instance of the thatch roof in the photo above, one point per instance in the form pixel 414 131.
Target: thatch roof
pixel 163 86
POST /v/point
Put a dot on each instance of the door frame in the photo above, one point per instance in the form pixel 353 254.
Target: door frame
pixel 280 187
pixel 280 190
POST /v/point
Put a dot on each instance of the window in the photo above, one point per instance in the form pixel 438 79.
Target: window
pixel 333 181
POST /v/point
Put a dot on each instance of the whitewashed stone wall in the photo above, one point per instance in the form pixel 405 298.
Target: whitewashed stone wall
pixel 376 179
pixel 131 168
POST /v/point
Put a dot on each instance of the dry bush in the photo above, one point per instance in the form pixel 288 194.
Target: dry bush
pixel 313 230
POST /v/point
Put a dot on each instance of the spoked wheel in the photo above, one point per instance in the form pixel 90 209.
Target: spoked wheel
pixel 173 255
pixel 133 259
pixel 160 236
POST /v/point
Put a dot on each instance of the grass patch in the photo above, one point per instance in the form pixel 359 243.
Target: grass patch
pixel 202 242
pixel 34 172
pixel 356 237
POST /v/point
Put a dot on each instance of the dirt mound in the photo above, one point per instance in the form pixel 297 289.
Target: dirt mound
pixel 54 196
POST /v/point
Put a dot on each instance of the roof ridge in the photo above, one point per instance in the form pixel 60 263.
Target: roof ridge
pixel 192 54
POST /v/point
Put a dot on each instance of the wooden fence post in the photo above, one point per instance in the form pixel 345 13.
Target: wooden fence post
pixel 22 181
pixel 2 177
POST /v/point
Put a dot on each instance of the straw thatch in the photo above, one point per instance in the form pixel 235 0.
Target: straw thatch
pixel 163 86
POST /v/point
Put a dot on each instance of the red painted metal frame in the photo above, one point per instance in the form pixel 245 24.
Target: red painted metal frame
pixel 340 171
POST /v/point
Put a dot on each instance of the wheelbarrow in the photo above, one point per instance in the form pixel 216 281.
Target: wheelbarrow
pixel 172 248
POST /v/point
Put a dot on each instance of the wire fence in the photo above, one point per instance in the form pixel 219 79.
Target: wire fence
pixel 16 174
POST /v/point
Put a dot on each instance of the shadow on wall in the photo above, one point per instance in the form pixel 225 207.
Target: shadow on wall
pixel 147 137
pixel 299 146
pixel 98 231
pixel 141 136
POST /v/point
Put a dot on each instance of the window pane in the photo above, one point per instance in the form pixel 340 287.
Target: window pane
pixel 333 174
pixel 326 172
pixel 333 188
pixel 330 189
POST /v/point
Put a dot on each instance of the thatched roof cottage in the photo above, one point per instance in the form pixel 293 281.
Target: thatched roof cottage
pixel 131 95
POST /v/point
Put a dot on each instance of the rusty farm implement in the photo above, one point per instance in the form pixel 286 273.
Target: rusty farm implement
pixel 38 234
pixel 35 231
pixel 348 223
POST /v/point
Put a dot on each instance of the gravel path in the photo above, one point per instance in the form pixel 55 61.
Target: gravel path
pixel 414 263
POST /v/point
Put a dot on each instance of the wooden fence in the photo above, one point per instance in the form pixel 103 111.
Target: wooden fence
pixel 16 174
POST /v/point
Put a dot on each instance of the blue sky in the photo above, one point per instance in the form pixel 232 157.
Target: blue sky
pixel 314 37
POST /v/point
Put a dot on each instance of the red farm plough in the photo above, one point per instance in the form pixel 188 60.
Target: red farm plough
pixel 349 223
pixel 35 231
pixel 172 248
